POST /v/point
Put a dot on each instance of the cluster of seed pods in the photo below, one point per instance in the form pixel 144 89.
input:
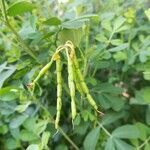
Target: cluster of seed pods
pixel 75 79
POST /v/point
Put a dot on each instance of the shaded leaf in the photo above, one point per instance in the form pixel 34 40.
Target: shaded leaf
pixel 91 139
pixel 8 93
pixel 119 48
pixel 110 145
pixel 5 72
pixel 112 117
pixel 28 136
pixel 126 131
pixel 12 144
pixel 17 121
pixel 23 107
pixel 121 145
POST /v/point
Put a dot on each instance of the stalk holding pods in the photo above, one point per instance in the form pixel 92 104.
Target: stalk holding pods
pixel 59 90
pixel 71 84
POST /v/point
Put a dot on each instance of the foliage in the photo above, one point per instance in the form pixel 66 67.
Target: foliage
pixel 112 40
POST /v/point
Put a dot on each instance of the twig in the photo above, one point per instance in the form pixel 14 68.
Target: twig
pixel 105 130
pixel 144 143
pixel 27 48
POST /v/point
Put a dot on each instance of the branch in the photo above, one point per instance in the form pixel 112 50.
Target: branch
pixel 27 48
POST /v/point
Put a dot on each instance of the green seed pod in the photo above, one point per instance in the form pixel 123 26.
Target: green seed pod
pixel 59 91
pixel 59 105
pixel 77 82
pixel 91 101
pixel 73 109
pixel 43 71
pixel 81 81
pixel 84 87
pixel 71 85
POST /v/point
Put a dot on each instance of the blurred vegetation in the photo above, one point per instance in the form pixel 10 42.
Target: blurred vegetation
pixel 112 39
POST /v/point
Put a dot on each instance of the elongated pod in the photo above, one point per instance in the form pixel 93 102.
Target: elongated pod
pixel 71 85
pixel 47 66
pixel 43 71
pixel 80 76
pixel 59 90
pixel 77 81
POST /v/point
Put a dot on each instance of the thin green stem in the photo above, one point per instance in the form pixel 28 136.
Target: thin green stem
pixel 143 144
pixel 68 139
pixel 104 129
pixel 27 48
pixel 86 48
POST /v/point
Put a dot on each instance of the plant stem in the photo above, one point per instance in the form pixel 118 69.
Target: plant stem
pixel 144 143
pixel 86 48
pixel 105 130
pixel 53 121
pixel 27 48
pixel 68 139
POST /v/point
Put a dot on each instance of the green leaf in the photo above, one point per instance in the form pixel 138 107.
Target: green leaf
pixel 119 48
pixel 116 42
pixel 53 21
pixel 23 107
pixel 147 13
pixel 33 147
pixel 5 72
pixel 12 144
pixel 73 35
pixel 109 88
pixel 126 131
pixel 3 66
pixel 146 75
pixel 110 145
pixel 8 93
pixel 17 121
pixel 101 38
pixel 3 129
pixel 79 22
pixel 73 24
pixel 44 140
pixel 40 126
pixel 112 117
pixel 61 147
pixel 115 102
pixel 91 139
pixel 7 108
pixel 146 94
pixel 19 8
pixel 15 132
pixel 30 123
pixel 27 136
pixel 121 145
pixel 143 130
pixel 148 115
pixel 120 56
pixel 118 23
pixel 107 25
pixel 147 146
pixel 142 97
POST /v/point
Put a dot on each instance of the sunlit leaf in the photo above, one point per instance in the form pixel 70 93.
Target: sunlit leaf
pixel 19 8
